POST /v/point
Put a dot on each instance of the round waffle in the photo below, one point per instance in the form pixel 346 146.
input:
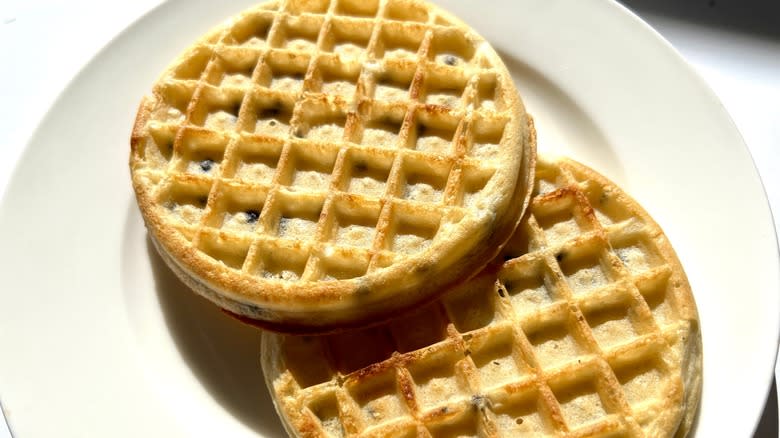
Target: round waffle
pixel 315 164
pixel 586 326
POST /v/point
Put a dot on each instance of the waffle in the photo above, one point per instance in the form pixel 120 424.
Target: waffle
pixel 586 326
pixel 314 164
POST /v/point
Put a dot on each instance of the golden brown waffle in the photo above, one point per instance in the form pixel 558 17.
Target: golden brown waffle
pixel 587 327
pixel 318 164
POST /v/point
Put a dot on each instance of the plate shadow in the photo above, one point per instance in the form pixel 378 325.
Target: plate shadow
pixel 768 425
pixel 759 18
pixel 223 353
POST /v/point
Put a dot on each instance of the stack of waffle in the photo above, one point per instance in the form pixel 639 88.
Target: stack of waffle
pixel 350 175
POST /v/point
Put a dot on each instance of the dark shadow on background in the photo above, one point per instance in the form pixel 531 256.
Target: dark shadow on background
pixel 756 17
pixel 768 426
pixel 223 353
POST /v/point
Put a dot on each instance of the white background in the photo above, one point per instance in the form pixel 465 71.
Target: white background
pixel 734 45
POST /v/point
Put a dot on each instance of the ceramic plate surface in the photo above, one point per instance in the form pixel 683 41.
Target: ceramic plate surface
pixel 100 339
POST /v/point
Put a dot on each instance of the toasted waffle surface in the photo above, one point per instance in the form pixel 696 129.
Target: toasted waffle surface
pixel 315 164
pixel 586 327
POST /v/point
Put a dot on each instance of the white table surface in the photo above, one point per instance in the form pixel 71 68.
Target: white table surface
pixel 734 45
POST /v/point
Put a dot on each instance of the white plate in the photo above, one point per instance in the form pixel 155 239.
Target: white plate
pixel 99 339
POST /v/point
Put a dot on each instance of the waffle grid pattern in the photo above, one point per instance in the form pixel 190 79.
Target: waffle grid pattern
pixel 576 335
pixel 331 121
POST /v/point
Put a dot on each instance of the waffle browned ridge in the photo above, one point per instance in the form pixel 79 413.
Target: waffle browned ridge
pixel 588 329
pixel 312 164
